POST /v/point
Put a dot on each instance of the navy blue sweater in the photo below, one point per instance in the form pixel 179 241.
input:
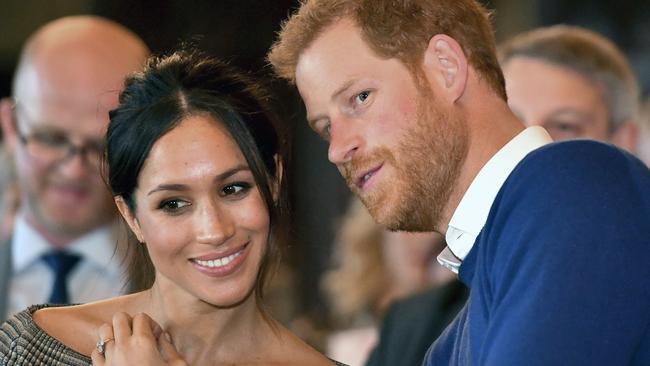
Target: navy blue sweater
pixel 560 273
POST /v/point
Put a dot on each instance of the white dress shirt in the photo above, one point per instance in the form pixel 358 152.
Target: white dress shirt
pixel 472 211
pixel 97 275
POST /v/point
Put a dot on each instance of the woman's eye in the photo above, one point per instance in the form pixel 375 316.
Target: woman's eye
pixel 362 97
pixel 173 205
pixel 235 189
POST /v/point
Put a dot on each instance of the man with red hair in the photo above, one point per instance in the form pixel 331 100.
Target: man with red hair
pixel 551 238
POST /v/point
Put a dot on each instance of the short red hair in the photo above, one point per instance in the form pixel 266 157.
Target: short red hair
pixel 394 29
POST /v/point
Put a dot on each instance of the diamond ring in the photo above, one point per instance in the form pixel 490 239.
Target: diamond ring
pixel 101 345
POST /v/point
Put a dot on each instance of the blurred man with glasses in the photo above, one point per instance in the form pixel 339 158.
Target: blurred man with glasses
pixel 63 244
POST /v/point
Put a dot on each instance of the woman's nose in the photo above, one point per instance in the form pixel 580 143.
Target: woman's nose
pixel 214 225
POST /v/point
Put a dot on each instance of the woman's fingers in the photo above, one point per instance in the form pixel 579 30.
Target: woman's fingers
pixel 105 343
pixel 97 358
pixel 156 329
pixel 169 352
pixel 121 326
pixel 143 325
pixel 105 334
pixel 138 340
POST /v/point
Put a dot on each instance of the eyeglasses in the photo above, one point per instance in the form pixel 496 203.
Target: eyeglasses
pixel 55 147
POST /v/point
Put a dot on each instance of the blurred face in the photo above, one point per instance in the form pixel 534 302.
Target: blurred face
pixel 561 100
pixel 409 257
pixel 395 147
pixel 68 79
pixel 58 137
pixel 200 215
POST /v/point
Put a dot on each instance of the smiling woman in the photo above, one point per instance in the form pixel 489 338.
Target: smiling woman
pixel 195 162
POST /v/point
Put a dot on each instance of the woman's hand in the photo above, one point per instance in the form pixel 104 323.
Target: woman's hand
pixel 135 341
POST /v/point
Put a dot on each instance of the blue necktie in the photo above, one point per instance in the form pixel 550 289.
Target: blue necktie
pixel 61 264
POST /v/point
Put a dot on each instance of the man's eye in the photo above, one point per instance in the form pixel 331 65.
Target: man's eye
pixel 97 147
pixel 235 189
pixel 362 97
pixel 173 205
pixel 325 132
pixel 50 139
pixel 565 127
pixel 323 128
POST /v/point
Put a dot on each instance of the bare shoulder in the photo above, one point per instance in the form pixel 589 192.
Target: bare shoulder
pixel 70 325
pixel 297 352
pixel 76 326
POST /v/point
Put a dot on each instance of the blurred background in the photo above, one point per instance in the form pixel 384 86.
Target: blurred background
pixel 241 32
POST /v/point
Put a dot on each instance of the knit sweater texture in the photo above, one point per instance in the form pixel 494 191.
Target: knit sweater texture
pixel 560 273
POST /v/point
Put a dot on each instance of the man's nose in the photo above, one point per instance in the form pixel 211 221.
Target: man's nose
pixel 75 165
pixel 345 141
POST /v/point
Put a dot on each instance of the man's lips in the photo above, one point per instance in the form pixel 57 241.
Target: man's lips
pixel 365 177
pixel 70 192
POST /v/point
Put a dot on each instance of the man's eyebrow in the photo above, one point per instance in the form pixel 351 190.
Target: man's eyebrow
pixel 342 89
pixel 313 119
pixel 571 112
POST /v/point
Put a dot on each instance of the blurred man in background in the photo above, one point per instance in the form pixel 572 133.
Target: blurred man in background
pixel 573 82
pixel 63 244
pixel 643 147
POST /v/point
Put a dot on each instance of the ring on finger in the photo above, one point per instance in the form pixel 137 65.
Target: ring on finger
pixel 101 345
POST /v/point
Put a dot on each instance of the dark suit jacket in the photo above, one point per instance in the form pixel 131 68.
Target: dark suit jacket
pixel 412 324
pixel 5 275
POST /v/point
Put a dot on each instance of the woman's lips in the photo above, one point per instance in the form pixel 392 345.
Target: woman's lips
pixel 221 264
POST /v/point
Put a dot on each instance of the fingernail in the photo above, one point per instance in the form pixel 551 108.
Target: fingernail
pixel 168 337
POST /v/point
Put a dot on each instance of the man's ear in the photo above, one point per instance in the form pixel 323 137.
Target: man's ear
pixel 8 123
pixel 626 136
pixel 129 217
pixel 445 64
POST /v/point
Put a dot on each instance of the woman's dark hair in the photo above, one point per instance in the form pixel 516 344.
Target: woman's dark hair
pixel 169 90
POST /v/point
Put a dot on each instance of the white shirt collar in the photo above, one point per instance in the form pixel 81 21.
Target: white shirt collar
pixel 472 211
pixel 97 246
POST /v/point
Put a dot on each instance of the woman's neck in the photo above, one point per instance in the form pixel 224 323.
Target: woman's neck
pixel 206 334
